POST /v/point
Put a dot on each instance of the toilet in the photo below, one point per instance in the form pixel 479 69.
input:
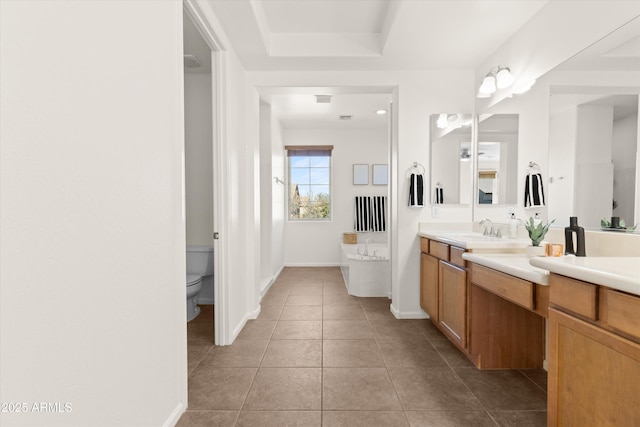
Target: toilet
pixel 199 266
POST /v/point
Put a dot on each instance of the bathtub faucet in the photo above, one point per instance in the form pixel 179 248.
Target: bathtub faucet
pixel 366 246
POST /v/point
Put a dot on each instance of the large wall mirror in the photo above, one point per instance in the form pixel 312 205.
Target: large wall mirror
pixel 451 167
pixel 593 132
pixel 497 159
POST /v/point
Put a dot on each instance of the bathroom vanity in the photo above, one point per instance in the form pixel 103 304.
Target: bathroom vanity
pixel 594 341
pixel 493 317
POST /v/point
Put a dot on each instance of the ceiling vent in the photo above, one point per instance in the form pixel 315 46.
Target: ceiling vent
pixel 344 117
pixel 323 99
pixel 191 61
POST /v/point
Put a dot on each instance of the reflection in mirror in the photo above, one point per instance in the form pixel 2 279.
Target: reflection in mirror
pixel 497 159
pixel 593 140
pixel 451 181
pixel 593 132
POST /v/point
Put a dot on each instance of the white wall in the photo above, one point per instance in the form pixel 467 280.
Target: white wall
pixel 91 212
pixel 199 167
pixel 198 158
pixel 266 198
pixel 562 159
pixel 317 242
pixel 278 194
pixel 625 147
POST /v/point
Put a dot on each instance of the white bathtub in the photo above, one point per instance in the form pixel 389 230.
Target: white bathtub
pixel 366 275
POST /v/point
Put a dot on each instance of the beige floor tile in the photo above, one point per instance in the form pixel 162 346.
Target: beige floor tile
pixel 293 354
pixel 375 303
pixel 240 354
pixel 351 353
pixel 364 419
pixel 384 329
pixel 304 300
pixel 520 418
pixel 275 299
pixel 195 353
pixel 449 418
pixel 538 376
pixel 432 389
pixel 450 353
pixel 409 352
pixel 342 312
pixel 208 419
pixel 270 312
pixel 335 290
pixel 219 388
pixel 503 389
pixel 279 418
pixel 379 313
pixel 298 330
pixel 333 299
pixel 358 389
pixel 257 330
pixel 346 329
pixel 285 389
pixel 301 312
pixel 306 290
pixel 278 291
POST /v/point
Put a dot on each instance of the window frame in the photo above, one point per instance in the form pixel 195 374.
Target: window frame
pixel 329 149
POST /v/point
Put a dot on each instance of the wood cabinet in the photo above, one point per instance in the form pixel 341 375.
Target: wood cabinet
pixel 443 288
pixel 429 285
pixel 452 302
pixel 594 355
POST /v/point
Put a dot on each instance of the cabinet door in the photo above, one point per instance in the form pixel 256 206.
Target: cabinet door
pixel 593 375
pixel 452 287
pixel 429 285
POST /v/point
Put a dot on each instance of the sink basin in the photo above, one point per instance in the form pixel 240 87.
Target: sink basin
pixel 475 240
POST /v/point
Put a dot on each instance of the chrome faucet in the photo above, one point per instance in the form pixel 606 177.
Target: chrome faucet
pixel 366 246
pixel 488 230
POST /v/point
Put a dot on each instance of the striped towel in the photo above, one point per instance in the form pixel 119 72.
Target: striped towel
pixel 439 197
pixel 416 191
pixel 533 191
pixel 370 214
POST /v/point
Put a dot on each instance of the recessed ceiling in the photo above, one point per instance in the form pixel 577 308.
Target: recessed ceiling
pixel 369 34
pixel 302 111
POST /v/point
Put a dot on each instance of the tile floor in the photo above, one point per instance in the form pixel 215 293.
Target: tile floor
pixel 317 356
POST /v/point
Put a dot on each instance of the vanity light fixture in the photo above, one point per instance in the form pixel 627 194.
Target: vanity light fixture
pixel 497 78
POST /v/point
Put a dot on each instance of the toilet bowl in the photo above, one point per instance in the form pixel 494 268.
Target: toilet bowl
pixel 194 284
pixel 199 266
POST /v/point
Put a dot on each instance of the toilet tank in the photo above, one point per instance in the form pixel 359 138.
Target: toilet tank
pixel 200 260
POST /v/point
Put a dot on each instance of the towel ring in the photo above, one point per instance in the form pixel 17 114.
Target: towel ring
pixel 418 166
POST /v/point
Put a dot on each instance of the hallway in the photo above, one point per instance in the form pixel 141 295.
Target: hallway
pixel 318 356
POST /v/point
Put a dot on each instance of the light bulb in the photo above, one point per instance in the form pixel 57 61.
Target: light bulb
pixel 442 121
pixel 504 78
pixel 488 85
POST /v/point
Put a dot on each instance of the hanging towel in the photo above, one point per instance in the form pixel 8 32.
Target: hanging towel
pixel 378 221
pixel 533 190
pixel 370 214
pixel 439 195
pixel 416 191
pixel 361 213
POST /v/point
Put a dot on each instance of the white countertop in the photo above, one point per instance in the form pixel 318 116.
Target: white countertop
pixel 621 273
pixel 514 264
pixel 471 240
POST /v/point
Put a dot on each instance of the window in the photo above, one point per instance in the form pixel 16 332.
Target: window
pixel 309 182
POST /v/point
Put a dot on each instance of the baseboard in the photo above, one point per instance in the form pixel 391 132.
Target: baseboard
pixel 313 264
pixel 175 415
pixel 408 314
pixel 236 331
pixel 255 313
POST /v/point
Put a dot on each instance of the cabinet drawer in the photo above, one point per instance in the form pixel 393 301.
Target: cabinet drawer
pixel 424 245
pixel 508 287
pixel 439 250
pixel 573 295
pixel 621 311
pixel 455 257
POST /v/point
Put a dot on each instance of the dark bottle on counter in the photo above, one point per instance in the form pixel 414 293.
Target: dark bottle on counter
pixel 569 231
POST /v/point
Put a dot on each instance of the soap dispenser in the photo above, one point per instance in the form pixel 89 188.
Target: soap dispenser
pixel 569 232
pixel 513 226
